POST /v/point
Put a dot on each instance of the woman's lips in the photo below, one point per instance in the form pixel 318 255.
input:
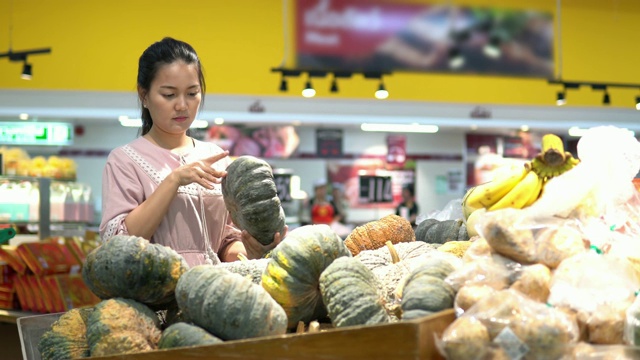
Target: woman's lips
pixel 180 118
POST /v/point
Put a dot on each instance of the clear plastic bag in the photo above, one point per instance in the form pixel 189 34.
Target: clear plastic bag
pixel 511 325
pixel 451 211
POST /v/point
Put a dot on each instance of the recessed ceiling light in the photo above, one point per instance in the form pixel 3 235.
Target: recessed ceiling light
pixel 23 116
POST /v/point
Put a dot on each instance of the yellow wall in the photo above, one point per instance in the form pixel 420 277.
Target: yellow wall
pixel 96 45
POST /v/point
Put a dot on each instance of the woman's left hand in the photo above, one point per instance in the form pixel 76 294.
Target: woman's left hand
pixel 255 249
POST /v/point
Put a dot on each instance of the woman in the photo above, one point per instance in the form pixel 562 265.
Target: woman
pixel 408 208
pixel 165 186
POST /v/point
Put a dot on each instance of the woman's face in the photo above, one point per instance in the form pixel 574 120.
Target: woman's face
pixel 174 97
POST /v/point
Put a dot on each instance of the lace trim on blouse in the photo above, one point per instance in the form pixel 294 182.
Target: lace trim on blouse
pixel 158 177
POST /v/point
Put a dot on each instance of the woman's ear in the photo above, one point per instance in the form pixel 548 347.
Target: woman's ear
pixel 142 95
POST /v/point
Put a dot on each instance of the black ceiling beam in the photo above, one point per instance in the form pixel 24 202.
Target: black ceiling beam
pixel 22 55
pixel 593 85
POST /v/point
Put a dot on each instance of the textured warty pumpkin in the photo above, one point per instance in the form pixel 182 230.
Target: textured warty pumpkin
pixel 182 334
pixel 67 338
pixel 374 234
pixel 122 326
pixel 251 197
pixel 425 290
pixel 131 267
pixel 228 305
pixel 352 294
pixel 294 269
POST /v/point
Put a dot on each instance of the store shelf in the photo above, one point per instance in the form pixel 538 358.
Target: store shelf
pixel 11 316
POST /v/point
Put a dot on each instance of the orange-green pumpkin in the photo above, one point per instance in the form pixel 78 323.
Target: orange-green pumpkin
pixel 228 305
pixel 374 234
pixel 131 267
pixel 352 294
pixel 67 338
pixel 293 271
pixel 251 197
pixel 122 326
pixel 182 334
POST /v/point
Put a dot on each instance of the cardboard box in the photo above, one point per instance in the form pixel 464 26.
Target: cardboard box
pixel 9 254
pixel 74 292
pixel 25 295
pixel 38 295
pixel 48 257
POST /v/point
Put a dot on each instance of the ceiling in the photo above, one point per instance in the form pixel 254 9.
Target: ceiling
pixel 106 107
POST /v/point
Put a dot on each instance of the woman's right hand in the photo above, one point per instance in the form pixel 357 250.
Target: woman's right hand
pixel 201 172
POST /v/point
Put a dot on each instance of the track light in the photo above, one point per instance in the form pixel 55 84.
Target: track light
pixel 283 85
pixel 637 102
pixel 308 90
pixel 456 60
pixel 26 71
pixel 334 85
pixel 606 100
pixel 382 92
pixel 22 56
pixel 561 99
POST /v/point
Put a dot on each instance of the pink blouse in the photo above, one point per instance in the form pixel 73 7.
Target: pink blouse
pixel 134 171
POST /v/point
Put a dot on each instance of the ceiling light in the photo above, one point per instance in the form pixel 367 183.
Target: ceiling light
pixel 26 71
pixel 606 100
pixel 218 121
pixel 561 99
pixel 578 132
pixel 524 128
pixel 283 85
pixel 413 128
pixel 382 92
pixel 23 116
pixel 308 90
pixel 334 85
pixel 456 60
pixel 637 102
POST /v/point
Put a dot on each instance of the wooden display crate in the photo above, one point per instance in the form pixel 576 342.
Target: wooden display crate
pixel 414 339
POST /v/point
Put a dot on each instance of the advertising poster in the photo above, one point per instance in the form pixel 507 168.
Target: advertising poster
pixel 329 143
pixel 378 35
pixel 263 142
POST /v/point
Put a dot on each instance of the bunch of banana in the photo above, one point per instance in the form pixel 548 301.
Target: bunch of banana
pixel 552 160
pixel 522 186
pixel 517 189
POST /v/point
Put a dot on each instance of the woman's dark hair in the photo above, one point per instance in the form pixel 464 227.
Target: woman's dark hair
pixel 160 53
pixel 410 188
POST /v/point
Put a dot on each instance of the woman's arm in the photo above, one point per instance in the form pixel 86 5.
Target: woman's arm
pixel 144 220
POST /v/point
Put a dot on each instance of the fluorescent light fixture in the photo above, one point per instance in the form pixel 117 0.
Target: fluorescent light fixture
pixel 23 116
pixel 412 128
pixel 579 132
pixel 127 122
pixel 199 124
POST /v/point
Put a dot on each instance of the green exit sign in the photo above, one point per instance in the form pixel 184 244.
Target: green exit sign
pixel 36 133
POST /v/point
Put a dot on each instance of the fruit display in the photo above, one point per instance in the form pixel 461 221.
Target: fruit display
pixel 67 338
pixel 439 232
pixel 18 162
pixel 251 197
pixel 521 186
pixel 182 334
pixel 425 291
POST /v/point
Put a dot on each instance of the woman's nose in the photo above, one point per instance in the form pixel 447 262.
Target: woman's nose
pixel 181 103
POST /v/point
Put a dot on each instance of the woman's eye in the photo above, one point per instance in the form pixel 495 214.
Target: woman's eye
pixel 194 94
pixel 168 95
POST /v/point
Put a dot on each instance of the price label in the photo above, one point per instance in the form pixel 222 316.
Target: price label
pixel 375 189
pixel 283 186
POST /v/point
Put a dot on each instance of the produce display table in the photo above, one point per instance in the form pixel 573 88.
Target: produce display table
pixel 413 340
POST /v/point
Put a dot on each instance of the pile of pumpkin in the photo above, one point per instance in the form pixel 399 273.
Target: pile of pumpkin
pixel 152 300
pixel 311 275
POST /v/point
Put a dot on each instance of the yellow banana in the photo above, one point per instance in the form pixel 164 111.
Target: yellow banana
pixel 489 193
pixel 535 194
pixel 520 194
